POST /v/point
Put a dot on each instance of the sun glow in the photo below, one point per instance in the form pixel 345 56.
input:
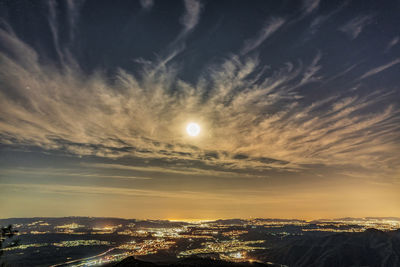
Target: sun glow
pixel 193 129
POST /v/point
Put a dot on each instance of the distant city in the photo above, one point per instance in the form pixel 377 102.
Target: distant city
pixel 87 241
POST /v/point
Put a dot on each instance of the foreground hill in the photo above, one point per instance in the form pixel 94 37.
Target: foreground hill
pixel 369 248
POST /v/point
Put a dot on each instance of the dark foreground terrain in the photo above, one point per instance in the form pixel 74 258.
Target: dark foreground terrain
pixel 370 248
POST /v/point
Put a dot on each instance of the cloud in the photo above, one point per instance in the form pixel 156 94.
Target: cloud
pixel 392 43
pixel 221 196
pixel 309 74
pixel 189 20
pixel 253 118
pixel 354 27
pixel 73 9
pixel 269 28
pixel 309 6
pixel 319 20
pixel 192 14
pixel 147 4
pixel 67 172
pixel 183 170
pixel 118 191
pixel 53 23
pixel 380 68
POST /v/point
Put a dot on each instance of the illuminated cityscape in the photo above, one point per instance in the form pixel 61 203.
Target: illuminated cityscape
pixel 111 240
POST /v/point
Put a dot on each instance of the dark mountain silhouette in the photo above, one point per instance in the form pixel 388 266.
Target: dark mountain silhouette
pixel 370 248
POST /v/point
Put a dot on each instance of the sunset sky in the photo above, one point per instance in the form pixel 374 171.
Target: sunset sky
pixel 297 104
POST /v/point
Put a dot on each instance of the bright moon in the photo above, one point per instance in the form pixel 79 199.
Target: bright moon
pixel 193 129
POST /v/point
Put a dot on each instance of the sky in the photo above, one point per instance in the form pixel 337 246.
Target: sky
pixel 298 104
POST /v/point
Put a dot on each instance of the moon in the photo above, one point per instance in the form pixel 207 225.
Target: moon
pixel 193 129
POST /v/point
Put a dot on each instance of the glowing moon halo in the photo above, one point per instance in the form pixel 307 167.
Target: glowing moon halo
pixel 193 129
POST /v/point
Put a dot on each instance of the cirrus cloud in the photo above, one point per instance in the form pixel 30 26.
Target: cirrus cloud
pixel 253 116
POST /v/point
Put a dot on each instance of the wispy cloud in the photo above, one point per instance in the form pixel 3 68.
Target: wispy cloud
pixel 147 4
pixel 53 23
pixel 310 5
pixel 319 20
pixel 312 70
pixel 67 173
pixel 102 190
pixel 252 118
pixel 392 43
pixel 183 170
pixel 73 9
pixel 222 196
pixel 380 68
pixel 269 28
pixel 354 27
pixel 189 21
pixel 192 14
